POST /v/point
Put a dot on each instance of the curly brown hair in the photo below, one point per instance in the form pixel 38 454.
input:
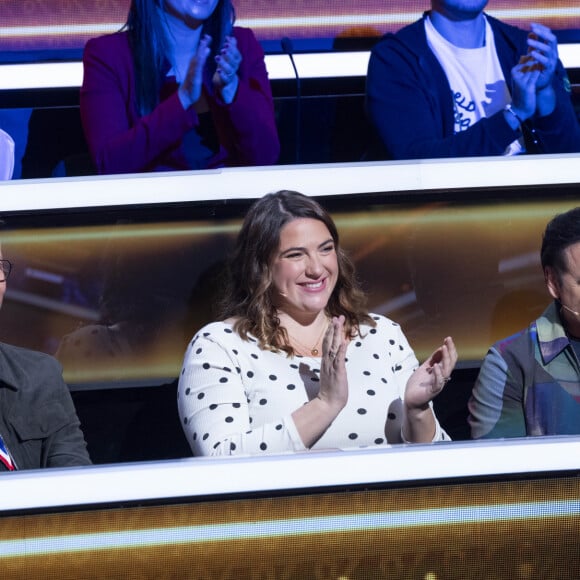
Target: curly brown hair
pixel 248 294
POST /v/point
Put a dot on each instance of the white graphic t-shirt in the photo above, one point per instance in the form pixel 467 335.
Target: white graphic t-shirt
pixel 477 82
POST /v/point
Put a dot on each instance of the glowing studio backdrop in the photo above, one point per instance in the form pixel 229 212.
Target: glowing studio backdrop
pixel 120 301
pixel 53 25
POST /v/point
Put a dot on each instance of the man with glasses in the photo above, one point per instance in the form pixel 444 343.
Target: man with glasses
pixel 39 426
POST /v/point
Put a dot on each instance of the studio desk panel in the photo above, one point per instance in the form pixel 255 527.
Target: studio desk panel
pixel 506 509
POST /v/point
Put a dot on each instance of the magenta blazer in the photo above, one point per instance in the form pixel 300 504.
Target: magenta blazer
pixel 120 140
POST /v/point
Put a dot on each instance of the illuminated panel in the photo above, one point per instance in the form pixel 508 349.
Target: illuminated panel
pixel 372 515
pixel 317 179
pixel 459 530
pixel 207 477
pixel 309 66
pixel 70 74
pixel 290 527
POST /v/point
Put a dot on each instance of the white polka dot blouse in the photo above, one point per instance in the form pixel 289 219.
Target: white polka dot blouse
pixel 234 398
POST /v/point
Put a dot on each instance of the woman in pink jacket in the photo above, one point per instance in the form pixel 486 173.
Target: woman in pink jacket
pixel 177 88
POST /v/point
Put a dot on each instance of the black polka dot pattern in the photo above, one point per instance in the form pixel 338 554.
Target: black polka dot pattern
pixel 236 398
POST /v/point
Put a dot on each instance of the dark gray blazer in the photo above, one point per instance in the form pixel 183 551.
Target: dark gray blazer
pixel 38 420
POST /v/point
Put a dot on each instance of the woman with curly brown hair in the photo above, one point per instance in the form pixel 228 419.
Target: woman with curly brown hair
pixel 297 362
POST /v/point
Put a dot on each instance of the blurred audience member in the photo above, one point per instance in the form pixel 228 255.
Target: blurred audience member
pixel 460 83
pixel 529 383
pixel 142 305
pixel 178 88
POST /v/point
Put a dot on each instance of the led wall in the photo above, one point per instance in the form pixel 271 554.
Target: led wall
pixel 53 25
pixel 117 293
pixel 509 529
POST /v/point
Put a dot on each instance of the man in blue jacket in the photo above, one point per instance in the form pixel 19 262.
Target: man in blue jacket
pixel 460 83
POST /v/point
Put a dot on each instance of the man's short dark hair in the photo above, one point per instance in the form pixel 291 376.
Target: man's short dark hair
pixel 561 232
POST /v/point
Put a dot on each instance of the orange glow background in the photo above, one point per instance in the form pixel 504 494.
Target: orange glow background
pixel 469 270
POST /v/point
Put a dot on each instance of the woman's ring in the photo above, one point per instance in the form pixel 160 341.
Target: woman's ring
pixel 331 354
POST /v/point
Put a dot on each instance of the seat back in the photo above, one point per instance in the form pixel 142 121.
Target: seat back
pixel 6 156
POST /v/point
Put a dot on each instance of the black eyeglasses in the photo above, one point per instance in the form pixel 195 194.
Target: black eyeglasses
pixel 5 269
